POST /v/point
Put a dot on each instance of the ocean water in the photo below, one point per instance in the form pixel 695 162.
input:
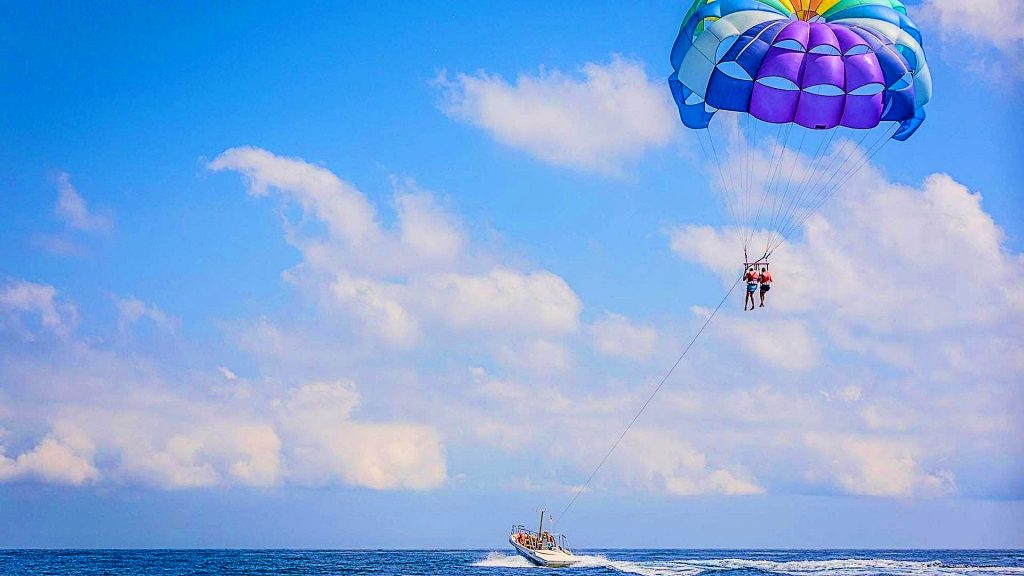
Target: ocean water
pixel 506 563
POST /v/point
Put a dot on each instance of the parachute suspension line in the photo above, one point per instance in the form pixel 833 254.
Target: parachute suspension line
pixel 835 164
pixel 748 161
pixel 744 153
pixel 728 135
pixel 821 182
pixel 647 402
pixel 791 199
pixel 774 171
pixel 873 150
pixel 748 152
pixel 752 143
pixel 816 165
pixel 725 185
pixel 749 223
pixel 780 201
pixel 849 150
pixel 826 191
pixel 729 201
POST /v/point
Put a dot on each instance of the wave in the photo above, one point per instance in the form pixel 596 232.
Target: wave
pixel 708 567
pixel 842 567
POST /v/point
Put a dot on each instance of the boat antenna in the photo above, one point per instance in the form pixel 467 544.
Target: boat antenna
pixel 657 388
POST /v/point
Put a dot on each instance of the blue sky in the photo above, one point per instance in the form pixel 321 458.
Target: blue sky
pixel 395 276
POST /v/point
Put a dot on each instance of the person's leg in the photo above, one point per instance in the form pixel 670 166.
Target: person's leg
pixel 762 297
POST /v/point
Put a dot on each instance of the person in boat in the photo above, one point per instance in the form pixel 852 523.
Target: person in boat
pixel 752 278
pixel 765 278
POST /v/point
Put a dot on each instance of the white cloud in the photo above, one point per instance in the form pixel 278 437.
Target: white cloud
pixel 337 203
pixel 415 280
pixel 377 305
pixel 996 22
pixel 658 461
pixel 130 310
pixel 118 419
pixel 538 355
pixel 512 300
pixel 842 396
pixel 20 297
pixel 72 209
pixel 57 461
pixel 426 229
pixel 982 37
pixel 328 445
pixel 152 436
pixel 877 467
pixel 617 335
pixel 779 342
pixel 599 121
pixel 850 393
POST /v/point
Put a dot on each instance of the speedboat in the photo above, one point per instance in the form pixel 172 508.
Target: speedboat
pixel 542 547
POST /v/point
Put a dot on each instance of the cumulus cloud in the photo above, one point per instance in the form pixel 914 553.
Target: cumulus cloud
pixel 53 460
pixel 328 445
pixel 877 467
pixel 598 120
pixel 20 298
pixel 117 420
pixel 344 209
pixel 996 22
pixel 72 209
pixel 984 37
pixel 892 398
pixel 130 310
pixel 783 343
pixel 617 335
pixel 657 460
pixel 531 302
pixel 414 278
pixel 426 228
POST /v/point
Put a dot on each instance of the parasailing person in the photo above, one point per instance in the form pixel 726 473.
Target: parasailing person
pixel 752 278
pixel 765 279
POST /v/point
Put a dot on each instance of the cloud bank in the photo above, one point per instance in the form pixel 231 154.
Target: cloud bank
pixel 881 368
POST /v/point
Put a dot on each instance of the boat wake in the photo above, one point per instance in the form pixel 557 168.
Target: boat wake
pixel 708 567
pixel 843 567
pixel 500 560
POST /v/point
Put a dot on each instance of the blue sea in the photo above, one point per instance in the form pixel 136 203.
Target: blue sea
pixel 505 563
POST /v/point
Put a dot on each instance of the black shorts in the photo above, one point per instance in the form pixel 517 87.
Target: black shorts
pixel 765 288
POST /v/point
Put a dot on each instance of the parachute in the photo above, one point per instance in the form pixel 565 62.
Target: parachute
pixel 790 98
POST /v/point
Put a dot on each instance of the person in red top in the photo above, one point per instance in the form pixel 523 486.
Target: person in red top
pixel 751 278
pixel 765 278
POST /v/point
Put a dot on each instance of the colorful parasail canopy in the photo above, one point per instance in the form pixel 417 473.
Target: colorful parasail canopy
pixel 816 63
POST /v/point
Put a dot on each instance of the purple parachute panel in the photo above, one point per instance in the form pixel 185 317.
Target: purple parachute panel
pixel 806 77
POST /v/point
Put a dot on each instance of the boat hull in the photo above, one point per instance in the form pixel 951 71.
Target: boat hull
pixel 557 558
